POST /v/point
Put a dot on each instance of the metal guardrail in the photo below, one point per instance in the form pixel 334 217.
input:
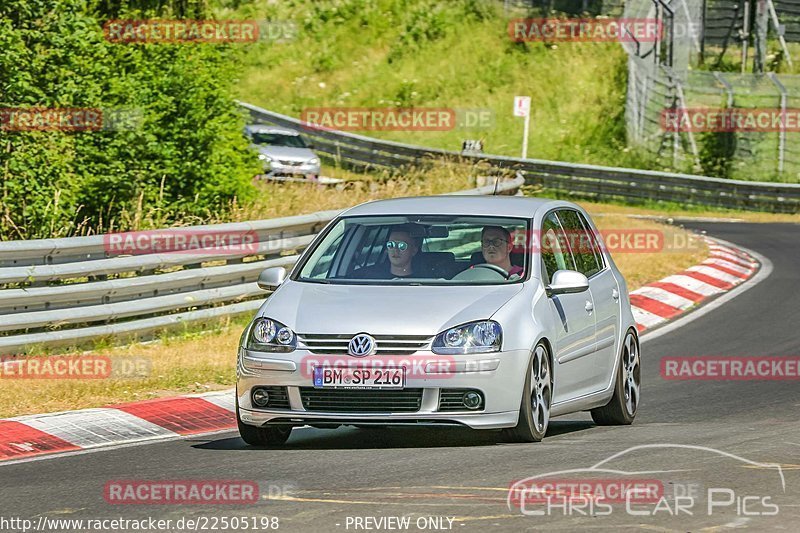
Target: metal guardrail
pixel 576 180
pixel 64 292
pixel 56 292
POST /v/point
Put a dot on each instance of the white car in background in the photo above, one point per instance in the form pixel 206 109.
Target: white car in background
pixel 283 152
pixel 355 335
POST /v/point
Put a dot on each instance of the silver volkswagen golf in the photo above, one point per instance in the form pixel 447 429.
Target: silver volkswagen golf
pixel 486 312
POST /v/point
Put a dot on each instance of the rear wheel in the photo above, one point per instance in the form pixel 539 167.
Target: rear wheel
pixel 262 436
pixel 537 395
pixel 622 408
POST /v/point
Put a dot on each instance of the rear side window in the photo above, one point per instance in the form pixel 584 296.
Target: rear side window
pixel 581 243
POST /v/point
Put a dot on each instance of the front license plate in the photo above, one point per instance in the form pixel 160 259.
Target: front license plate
pixel 359 378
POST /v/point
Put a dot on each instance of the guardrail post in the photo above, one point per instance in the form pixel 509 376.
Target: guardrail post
pixel 782 133
pixel 633 100
pixel 728 88
pixel 777 23
pixel 745 34
pixel 692 142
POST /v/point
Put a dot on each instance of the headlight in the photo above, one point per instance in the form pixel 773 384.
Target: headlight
pixel 476 337
pixel 264 157
pixel 268 335
pixel 314 161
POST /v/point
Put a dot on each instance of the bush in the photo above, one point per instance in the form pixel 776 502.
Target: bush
pixel 184 161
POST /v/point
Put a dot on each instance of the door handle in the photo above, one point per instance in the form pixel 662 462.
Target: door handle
pixel 589 306
pixel 615 294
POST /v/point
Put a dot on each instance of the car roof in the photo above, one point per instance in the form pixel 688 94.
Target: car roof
pixel 511 206
pixel 261 128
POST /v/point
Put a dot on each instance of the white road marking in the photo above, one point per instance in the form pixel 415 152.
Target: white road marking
pixel 225 399
pixel 729 265
pixel 664 296
pixel 646 318
pixel 715 273
pixel 89 428
pixel 692 284
pixel 734 259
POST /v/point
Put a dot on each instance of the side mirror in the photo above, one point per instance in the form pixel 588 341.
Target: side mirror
pixel 567 282
pixel 271 278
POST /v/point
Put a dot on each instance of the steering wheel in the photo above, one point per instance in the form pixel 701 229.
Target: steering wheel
pixel 493 267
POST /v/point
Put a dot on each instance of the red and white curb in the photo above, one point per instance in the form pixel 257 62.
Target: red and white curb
pixel 27 436
pixel 30 436
pixel 661 301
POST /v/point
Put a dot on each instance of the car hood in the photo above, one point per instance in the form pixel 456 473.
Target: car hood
pixel 286 152
pixel 382 310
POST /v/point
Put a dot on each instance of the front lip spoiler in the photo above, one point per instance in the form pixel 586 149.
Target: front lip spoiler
pixel 302 420
pixel 472 419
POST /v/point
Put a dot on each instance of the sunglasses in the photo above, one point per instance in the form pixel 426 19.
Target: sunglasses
pixel 495 243
pixel 400 245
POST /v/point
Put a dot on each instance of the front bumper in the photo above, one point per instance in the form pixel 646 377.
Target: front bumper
pixel 499 376
pixel 278 169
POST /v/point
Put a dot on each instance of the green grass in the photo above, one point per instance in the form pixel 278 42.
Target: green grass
pixel 455 54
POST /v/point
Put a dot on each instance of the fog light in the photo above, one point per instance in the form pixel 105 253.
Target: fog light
pixel 472 400
pixel 285 336
pixel 260 397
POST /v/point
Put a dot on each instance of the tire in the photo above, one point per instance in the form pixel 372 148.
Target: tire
pixel 262 436
pixel 537 396
pixel 621 410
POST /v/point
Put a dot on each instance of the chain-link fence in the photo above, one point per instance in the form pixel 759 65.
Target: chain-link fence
pixel 665 87
pixel 672 77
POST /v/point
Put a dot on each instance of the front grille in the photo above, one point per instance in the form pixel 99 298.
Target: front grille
pixel 361 401
pixel 291 163
pixel 278 398
pixel 452 400
pixel 336 344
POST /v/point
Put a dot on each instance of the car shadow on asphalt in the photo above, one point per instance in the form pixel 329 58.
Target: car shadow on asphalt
pixel 348 437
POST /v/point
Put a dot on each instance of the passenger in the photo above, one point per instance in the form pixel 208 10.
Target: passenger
pixel 401 247
pixel 496 246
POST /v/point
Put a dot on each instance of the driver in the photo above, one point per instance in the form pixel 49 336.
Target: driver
pixel 496 246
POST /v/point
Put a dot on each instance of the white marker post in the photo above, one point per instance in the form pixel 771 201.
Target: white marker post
pixel 522 108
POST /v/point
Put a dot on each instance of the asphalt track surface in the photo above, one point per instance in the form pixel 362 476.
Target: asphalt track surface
pixel 332 480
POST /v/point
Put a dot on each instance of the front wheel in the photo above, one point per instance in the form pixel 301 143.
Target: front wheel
pixel 262 436
pixel 537 395
pixel 621 410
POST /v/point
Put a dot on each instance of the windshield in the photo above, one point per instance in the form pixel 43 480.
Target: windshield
pixel 458 250
pixel 278 139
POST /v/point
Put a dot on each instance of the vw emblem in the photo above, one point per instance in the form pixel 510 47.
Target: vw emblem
pixel 361 345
